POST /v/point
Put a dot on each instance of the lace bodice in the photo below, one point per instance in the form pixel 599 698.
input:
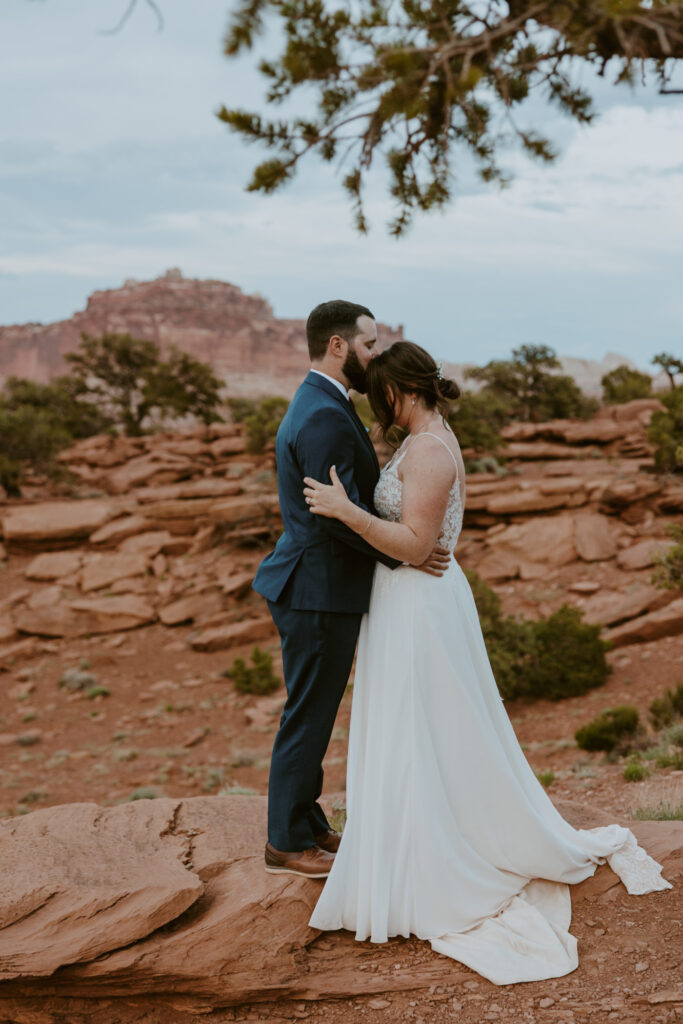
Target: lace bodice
pixel 389 494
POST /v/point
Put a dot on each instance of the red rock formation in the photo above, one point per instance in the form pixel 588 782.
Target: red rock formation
pixel 237 334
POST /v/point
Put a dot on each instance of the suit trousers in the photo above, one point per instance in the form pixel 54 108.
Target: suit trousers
pixel 317 654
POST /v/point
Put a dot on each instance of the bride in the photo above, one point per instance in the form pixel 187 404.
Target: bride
pixel 449 835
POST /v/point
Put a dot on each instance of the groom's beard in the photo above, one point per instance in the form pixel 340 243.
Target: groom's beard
pixel 354 372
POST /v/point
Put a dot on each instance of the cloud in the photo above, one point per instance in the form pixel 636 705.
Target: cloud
pixel 113 164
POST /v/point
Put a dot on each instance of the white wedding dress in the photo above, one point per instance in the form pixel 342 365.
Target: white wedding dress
pixel 449 834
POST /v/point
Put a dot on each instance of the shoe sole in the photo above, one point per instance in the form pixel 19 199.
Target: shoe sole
pixel 293 871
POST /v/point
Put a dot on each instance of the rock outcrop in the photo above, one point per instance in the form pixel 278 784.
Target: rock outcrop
pixel 165 903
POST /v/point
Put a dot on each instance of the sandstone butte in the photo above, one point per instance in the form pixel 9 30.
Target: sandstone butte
pixel 253 350
pixel 127 910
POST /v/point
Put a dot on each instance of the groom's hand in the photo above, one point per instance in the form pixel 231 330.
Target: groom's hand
pixel 437 562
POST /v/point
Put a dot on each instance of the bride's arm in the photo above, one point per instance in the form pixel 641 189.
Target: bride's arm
pixel 427 480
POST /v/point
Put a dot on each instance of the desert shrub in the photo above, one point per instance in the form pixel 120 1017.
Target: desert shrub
pixel 664 811
pixel 563 399
pixel 262 424
pixel 240 408
pixel 28 438
pixel 98 691
pixel 62 400
pixel 546 778
pixel 476 419
pixel 74 679
pixel 668 752
pixel 668 708
pixel 666 433
pixel 486 464
pixel 608 730
pixel 624 384
pixel 634 771
pixel 568 656
pixel 255 678
pixel 145 793
pixel 551 658
pixel 36 422
pixel 669 566
pixel 10 474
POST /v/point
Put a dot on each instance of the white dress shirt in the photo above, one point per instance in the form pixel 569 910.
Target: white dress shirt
pixel 337 383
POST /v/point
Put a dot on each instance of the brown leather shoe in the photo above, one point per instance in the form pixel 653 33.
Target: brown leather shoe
pixel 312 863
pixel 329 841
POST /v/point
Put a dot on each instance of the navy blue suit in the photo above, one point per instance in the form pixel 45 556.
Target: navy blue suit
pixel 317 583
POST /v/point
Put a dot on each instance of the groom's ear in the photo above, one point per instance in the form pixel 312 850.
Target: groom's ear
pixel 336 344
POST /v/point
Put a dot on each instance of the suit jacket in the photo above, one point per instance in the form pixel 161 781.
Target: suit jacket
pixel 328 566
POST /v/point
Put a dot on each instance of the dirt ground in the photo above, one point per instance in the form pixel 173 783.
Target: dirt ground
pixel 172 724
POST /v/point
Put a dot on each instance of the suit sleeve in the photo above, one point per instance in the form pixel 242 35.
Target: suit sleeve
pixel 330 440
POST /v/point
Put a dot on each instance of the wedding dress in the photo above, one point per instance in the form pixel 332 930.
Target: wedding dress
pixel 449 834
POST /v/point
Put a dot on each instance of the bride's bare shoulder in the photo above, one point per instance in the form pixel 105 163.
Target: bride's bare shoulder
pixel 434 449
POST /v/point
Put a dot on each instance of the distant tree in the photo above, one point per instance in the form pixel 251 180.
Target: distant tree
pixel 36 421
pixel 262 423
pixel 72 413
pixel 666 433
pixel 562 399
pixel 421 84
pixel 624 384
pixel 127 378
pixel 670 364
pixel 477 417
pixel 183 385
pixel 29 438
pixel 528 387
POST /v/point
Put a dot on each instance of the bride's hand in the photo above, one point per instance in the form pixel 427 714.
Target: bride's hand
pixel 328 500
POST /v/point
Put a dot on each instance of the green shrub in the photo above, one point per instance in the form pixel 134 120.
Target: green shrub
pixel 666 709
pixel 669 750
pixel 624 384
pixel 666 433
pixel 477 417
pixel 262 424
pixel 634 770
pixel 257 678
pixel 608 730
pixel 486 464
pixel 74 679
pixel 10 475
pixel 145 793
pixel 28 438
pixel 668 573
pixel 552 658
pixel 568 656
pixel 546 778
pixel 98 691
pixel 662 812
pixel 240 408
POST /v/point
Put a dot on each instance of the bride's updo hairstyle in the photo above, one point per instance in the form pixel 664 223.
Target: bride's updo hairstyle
pixel 407 368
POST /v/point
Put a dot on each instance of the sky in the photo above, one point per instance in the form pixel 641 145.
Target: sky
pixel 113 165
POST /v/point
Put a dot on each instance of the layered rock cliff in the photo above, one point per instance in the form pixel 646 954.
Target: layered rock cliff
pixel 255 352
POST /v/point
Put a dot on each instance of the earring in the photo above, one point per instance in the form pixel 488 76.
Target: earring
pixel 413 400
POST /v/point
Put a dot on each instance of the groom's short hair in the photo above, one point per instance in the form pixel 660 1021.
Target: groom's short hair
pixel 334 317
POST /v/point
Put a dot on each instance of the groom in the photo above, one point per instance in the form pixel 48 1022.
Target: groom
pixel 318 579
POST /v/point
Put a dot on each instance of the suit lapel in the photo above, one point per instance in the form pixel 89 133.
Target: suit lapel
pixel 320 382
